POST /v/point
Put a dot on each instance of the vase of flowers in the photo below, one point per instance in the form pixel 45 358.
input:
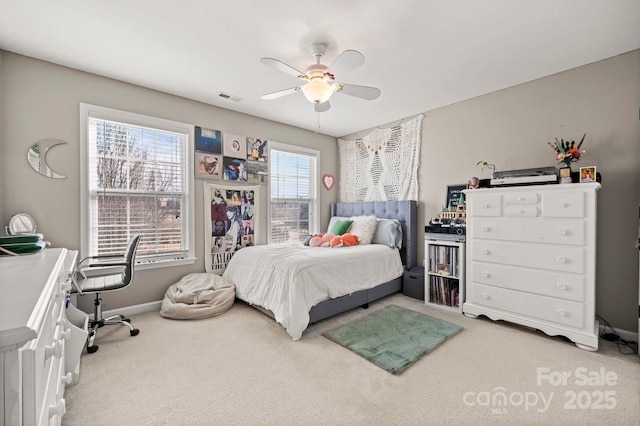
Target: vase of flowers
pixel 567 152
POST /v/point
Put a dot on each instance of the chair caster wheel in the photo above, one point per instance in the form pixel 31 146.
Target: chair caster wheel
pixel 92 349
pixel 127 320
pixel 134 332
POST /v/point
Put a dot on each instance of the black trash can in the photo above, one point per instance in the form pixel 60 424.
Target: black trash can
pixel 413 283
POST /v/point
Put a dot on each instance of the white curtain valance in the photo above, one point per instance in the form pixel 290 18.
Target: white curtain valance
pixel 382 165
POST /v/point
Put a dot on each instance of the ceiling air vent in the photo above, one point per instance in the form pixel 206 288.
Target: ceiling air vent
pixel 230 97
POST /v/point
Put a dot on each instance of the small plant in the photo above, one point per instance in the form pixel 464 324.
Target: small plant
pixel 486 165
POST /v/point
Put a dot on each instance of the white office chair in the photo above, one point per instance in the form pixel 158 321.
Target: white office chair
pixel 96 283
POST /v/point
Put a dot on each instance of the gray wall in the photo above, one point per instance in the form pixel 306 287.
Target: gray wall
pixel 511 128
pixel 40 100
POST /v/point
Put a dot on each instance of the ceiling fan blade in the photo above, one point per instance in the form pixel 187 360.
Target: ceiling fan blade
pixel 322 107
pixel 362 92
pixel 281 66
pixel 346 61
pixel 280 93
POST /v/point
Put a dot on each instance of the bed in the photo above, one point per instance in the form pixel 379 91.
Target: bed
pixel 298 285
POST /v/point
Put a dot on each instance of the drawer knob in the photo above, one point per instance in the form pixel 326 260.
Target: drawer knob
pixel 485 296
pixel 486 274
pixel 521 211
pixel 485 252
pixel 561 312
pixel 563 205
pixel 53 350
pixel 562 232
pixel 486 229
pixel 520 198
pixel 561 286
pixel 561 259
pixel 486 206
pixel 58 409
pixel 67 378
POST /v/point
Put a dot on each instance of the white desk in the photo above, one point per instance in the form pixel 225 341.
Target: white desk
pixel 40 340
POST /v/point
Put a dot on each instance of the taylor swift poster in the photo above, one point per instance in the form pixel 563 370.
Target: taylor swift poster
pixel 230 222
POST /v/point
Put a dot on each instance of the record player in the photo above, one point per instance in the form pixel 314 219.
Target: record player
pixel 535 176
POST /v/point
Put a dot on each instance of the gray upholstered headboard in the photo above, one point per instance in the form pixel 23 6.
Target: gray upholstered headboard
pixel 404 211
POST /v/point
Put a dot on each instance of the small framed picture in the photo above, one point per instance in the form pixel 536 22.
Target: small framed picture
pixel 208 165
pixel 588 174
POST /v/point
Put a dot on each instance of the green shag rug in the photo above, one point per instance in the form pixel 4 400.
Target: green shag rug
pixel 393 338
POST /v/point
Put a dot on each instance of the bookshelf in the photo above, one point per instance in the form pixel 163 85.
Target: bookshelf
pixel 444 273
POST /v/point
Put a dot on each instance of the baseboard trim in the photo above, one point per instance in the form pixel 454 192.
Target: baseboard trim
pixel 133 310
pixel 627 335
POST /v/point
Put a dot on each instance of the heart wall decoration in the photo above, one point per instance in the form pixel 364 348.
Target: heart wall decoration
pixel 328 181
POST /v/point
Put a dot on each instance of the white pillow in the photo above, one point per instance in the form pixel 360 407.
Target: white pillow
pixel 364 227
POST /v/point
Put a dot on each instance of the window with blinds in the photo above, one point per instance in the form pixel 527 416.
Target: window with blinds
pixel 293 194
pixel 137 183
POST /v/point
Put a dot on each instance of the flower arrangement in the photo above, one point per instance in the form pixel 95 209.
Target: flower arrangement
pixel 567 151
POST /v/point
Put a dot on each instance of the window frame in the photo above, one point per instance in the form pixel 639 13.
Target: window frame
pixel 88 111
pixel 314 212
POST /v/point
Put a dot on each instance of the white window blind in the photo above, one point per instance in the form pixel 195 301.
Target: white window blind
pixel 293 194
pixel 137 183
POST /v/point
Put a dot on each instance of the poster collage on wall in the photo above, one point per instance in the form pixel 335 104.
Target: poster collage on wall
pixel 230 157
pixel 230 219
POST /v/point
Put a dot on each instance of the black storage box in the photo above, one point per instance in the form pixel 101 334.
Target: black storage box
pixel 413 283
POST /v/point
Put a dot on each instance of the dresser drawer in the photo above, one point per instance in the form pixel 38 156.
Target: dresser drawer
pixel 521 198
pixel 543 256
pixel 554 284
pixel 485 205
pixel 550 231
pixel 40 357
pixel 521 211
pixel 563 204
pixel 519 303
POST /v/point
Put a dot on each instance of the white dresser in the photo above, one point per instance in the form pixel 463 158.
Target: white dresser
pixel 40 343
pixel 531 258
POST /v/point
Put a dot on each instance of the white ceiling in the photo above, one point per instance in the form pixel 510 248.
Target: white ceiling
pixel 422 54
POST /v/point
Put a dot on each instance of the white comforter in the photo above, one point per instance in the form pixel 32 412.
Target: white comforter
pixel 289 279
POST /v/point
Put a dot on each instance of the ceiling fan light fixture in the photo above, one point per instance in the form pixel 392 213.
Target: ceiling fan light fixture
pixel 317 90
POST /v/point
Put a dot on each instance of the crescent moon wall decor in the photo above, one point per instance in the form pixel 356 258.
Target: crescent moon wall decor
pixel 37 157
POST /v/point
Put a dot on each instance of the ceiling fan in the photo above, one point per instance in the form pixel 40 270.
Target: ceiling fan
pixel 320 79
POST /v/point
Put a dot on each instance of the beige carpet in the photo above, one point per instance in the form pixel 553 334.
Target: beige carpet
pixel 241 368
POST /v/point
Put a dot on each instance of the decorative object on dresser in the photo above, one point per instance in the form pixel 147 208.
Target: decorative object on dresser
pixel 41 337
pixel 567 152
pixel 588 174
pixel 531 256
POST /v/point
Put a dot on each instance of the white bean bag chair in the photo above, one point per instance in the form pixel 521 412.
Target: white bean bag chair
pixel 197 296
